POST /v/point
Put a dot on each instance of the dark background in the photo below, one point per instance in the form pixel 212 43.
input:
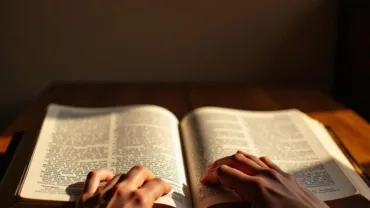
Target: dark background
pixel 311 43
pixel 352 68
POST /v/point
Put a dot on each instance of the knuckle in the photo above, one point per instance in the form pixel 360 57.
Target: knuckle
pixel 237 157
pixel 272 189
pixel 139 198
pixel 119 193
pixel 158 180
pixel 161 183
pixel 119 190
pixel 258 182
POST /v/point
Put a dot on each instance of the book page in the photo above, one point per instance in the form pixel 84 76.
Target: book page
pixel 326 140
pixel 211 133
pixel 73 141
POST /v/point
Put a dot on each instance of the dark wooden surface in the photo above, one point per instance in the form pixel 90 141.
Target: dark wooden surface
pixel 180 98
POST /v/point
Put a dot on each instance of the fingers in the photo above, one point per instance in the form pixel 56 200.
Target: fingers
pixel 107 190
pixel 244 173
pixel 94 178
pixel 270 164
pixel 137 176
pixel 244 185
pixel 139 188
pixel 112 182
pixel 253 158
pixel 238 161
pixel 154 189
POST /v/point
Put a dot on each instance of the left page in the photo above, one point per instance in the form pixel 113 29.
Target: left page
pixel 74 141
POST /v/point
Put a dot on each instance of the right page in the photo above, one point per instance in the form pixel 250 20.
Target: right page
pixel 211 133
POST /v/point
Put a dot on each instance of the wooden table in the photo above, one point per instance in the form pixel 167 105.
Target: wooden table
pixel 180 98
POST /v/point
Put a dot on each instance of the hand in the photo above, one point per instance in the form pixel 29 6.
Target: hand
pixel 137 188
pixel 260 182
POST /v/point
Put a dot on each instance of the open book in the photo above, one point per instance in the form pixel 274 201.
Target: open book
pixel 74 141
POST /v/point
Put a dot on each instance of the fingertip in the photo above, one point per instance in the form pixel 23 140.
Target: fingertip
pixel 202 179
pixel 205 180
pixel 208 180
pixel 110 176
pixel 167 187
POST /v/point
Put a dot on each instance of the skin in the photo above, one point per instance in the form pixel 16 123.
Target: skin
pixel 260 182
pixel 257 181
pixel 137 188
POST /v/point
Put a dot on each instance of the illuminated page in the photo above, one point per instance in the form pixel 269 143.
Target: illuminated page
pixel 74 141
pixel 211 133
pixel 149 136
pixel 342 161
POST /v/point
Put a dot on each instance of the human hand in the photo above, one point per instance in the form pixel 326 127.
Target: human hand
pixel 137 188
pixel 260 182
